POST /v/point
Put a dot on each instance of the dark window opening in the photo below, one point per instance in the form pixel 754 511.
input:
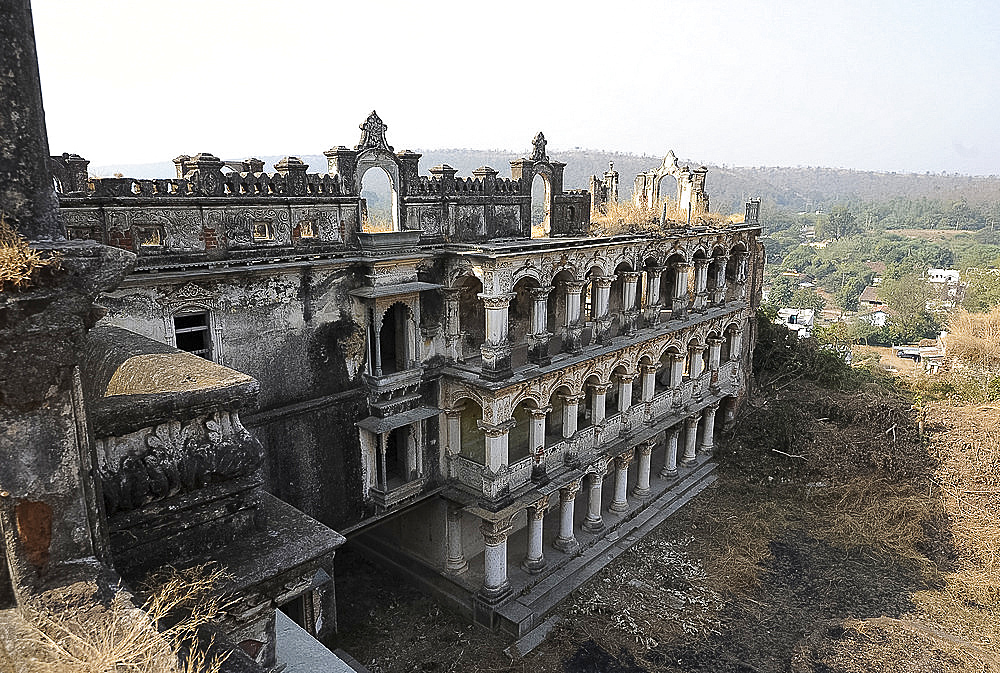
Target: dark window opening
pixel 192 334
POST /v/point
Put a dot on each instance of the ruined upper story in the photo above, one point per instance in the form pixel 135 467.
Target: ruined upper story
pixel 218 210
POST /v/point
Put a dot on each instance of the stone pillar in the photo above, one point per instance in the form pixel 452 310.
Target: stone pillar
pixel 741 275
pixel 454 427
pixel 571 408
pixel 496 443
pixel 680 299
pixel 645 451
pixel 574 325
pixel 376 342
pixel 669 470
pixel 594 523
pixel 26 191
pixel 452 326
pixel 677 369
pixel 719 291
pixel 700 283
pixel 383 482
pixel 602 321
pixel 620 503
pixel 496 586
pixel 496 349
pixel 629 312
pixel 536 442
pixel 455 563
pixel 708 430
pixel 736 347
pixel 652 312
pixel 714 353
pixel 534 560
pixel 599 393
pixel 539 335
pixel 625 391
pixel 648 381
pixel 691 440
pixel 566 541
pixel 697 361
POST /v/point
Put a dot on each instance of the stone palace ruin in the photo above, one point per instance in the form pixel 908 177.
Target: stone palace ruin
pixel 479 409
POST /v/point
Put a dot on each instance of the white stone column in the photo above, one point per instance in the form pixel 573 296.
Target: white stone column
pixel 697 361
pixel 631 282
pixel 496 349
pixel 620 503
pixel 736 347
pixel 741 275
pixel 383 482
pixel 452 326
pixel 719 291
pixel 700 283
pixel 496 586
pixel 573 290
pixel 648 381
pixel 566 541
pixel 594 523
pixel 681 285
pixel 677 369
pixel 603 294
pixel 571 408
pixel 538 331
pixel 669 470
pixel 708 430
pixel 652 309
pixel 455 562
pixel 714 353
pixel 598 395
pixel 625 391
pixel 536 442
pixel 376 330
pixel 645 452
pixel 534 560
pixel 496 443
pixel 691 439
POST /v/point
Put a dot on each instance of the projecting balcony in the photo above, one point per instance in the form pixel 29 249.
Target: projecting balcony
pixel 397 493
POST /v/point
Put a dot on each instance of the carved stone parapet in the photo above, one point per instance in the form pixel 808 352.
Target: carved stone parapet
pixel 538 348
pixel 601 328
pixel 573 341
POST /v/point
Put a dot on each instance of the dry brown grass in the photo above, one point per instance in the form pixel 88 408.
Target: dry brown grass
pixel 628 218
pixel 974 338
pixel 124 639
pixel 19 264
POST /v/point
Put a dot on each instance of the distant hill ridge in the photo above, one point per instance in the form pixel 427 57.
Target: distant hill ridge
pixel 799 188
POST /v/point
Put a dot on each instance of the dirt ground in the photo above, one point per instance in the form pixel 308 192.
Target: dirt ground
pixel 838 539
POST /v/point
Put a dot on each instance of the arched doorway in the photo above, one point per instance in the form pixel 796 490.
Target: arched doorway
pixel 541 205
pixel 393 342
pixel 471 317
pixel 379 211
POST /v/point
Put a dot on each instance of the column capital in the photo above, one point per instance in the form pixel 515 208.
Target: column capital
pixel 677 357
pixel 692 421
pixel 720 258
pixel 496 430
pixel 649 367
pixel 539 412
pixel 574 285
pixel 538 508
pixel 569 491
pixel 496 532
pixel 681 266
pixel 454 412
pixel 539 293
pixel 646 448
pixel 599 388
pixel 622 460
pixel 497 301
pixel 698 348
pixel 604 281
pixel 626 377
pixel 631 276
pixel 714 341
pixel 599 468
pixel 701 262
pixel 572 399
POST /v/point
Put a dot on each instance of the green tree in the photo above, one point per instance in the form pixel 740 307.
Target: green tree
pixel 807 297
pixel 982 290
pixel 781 290
pixel 839 223
pixel 907 296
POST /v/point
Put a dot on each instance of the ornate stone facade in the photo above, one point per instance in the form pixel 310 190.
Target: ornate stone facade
pixel 437 388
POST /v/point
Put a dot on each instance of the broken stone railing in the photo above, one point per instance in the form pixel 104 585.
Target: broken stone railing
pixel 220 184
pixel 587 444
pixel 181 481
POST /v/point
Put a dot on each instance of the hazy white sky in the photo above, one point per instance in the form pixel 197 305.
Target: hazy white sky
pixel 899 86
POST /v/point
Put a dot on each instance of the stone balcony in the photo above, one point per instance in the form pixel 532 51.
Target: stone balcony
pixel 398 494
pixel 388 242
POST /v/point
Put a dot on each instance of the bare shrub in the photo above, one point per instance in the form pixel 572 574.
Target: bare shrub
pixel 18 262
pixel 124 639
